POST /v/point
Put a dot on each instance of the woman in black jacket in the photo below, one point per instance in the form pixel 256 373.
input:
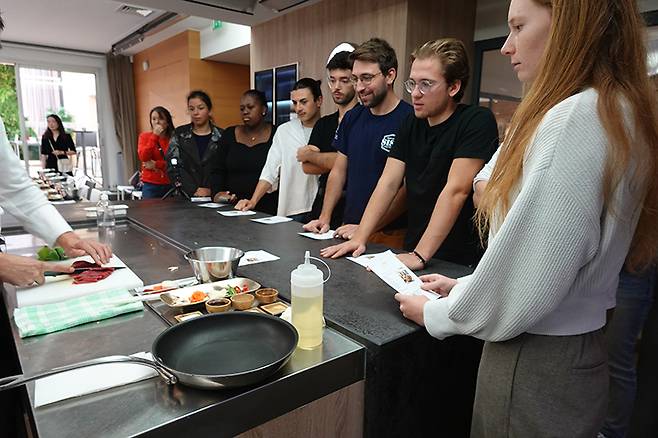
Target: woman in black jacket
pixel 56 144
pixel 193 148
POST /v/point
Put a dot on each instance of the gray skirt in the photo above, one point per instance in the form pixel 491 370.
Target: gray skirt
pixel 542 386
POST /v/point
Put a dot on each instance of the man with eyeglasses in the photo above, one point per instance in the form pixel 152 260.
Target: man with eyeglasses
pixel 438 151
pixel 318 156
pixel 363 140
pixel 21 197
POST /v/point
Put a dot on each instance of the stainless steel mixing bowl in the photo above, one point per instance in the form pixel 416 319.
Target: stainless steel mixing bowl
pixel 214 263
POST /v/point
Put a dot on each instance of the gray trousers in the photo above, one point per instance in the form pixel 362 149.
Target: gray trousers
pixel 542 386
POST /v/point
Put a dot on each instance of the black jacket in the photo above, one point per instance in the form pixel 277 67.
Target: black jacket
pixel 192 171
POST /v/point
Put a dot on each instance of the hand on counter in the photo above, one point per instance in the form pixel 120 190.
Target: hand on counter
pixel 346 231
pixel 74 246
pixel 25 271
pixel 245 205
pixel 202 191
pixel 438 283
pixel 351 246
pixel 318 226
pixel 412 306
pixel 225 197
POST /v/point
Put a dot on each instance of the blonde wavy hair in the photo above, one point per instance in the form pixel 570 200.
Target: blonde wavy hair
pixel 598 44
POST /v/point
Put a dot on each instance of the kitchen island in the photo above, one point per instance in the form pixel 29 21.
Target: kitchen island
pixel 414 384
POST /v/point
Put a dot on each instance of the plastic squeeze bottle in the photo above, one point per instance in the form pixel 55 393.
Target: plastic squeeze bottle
pixel 306 289
pixel 104 213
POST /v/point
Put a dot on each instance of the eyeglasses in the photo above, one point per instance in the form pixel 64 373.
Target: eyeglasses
pixel 364 79
pixel 424 86
pixel 333 82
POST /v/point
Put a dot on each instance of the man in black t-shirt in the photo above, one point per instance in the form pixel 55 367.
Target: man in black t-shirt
pixel 318 156
pixel 437 152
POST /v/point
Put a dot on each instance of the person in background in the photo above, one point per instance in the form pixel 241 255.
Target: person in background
pixel 194 147
pixel 318 156
pixel 242 154
pixel 437 152
pixel 572 198
pixel 56 144
pixel 296 189
pixel 152 148
pixel 363 140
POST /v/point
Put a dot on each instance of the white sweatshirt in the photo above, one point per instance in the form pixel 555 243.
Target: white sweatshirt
pixel 552 266
pixel 297 190
pixel 23 199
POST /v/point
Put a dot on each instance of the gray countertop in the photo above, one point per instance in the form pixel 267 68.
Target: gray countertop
pixel 151 407
pixel 356 302
pixel 401 357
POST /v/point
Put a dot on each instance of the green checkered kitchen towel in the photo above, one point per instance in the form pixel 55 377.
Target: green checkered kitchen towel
pixel 48 318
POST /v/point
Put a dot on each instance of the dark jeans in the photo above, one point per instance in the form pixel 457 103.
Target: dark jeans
pixel 634 296
pixel 152 191
pixel 644 422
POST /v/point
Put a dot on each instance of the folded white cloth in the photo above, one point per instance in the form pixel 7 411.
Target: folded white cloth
pixel 89 380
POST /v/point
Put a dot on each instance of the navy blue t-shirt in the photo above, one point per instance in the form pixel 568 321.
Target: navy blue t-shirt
pixel 366 140
pixel 202 143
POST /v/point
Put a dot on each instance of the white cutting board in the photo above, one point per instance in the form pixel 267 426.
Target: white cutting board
pixel 61 288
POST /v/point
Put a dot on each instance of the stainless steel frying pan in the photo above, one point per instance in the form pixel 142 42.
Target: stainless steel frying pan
pixel 224 350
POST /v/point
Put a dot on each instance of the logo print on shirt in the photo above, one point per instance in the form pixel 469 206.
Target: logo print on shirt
pixel 387 142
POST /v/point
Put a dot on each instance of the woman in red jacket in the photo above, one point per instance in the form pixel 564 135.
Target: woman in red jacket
pixel 152 147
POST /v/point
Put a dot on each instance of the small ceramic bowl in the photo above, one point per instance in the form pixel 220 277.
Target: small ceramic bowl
pixel 267 295
pixel 242 301
pixel 218 305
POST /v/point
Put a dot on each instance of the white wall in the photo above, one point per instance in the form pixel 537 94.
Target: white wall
pixel 112 167
pixel 491 17
pixel 230 36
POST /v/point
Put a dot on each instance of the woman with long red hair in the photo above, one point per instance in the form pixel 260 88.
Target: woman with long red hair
pixel 573 197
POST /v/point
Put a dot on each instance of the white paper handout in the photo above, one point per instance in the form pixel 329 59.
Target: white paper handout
pixel 200 199
pixel 232 213
pixel 324 236
pixel 395 273
pixel 272 220
pixel 259 256
pixel 88 380
pixel 213 205
pixel 366 260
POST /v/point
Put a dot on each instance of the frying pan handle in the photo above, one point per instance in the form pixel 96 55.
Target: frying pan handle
pixel 14 381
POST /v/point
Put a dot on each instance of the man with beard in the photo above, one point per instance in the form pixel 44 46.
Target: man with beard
pixel 363 140
pixel 437 153
pixel 318 156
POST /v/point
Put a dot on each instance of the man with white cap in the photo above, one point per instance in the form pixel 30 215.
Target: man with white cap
pixel 319 155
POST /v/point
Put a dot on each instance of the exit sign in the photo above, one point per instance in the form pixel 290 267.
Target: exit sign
pixel 216 24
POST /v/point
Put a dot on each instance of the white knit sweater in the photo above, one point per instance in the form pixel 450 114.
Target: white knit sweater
pixel 551 267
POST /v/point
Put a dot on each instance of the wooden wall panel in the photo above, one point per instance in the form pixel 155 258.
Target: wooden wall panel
pixel 308 35
pixel 439 19
pixel 166 82
pixel 225 84
pixel 175 68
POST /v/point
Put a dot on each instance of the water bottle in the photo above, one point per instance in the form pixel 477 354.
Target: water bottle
pixel 306 290
pixel 104 213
